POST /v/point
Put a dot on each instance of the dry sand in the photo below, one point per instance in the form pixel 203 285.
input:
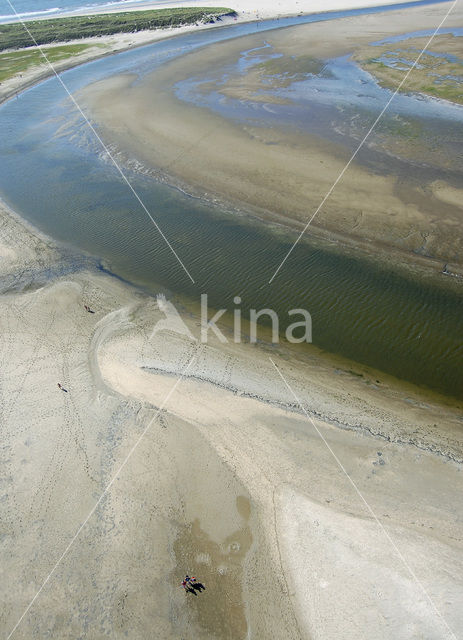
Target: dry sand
pixel 281 175
pixel 231 482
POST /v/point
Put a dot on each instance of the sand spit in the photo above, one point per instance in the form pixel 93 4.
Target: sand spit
pixel 239 490
pixel 282 174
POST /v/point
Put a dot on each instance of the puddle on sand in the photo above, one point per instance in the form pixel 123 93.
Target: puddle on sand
pixel 219 610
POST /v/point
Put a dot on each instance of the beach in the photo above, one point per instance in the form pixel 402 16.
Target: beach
pixel 313 499
pixel 230 480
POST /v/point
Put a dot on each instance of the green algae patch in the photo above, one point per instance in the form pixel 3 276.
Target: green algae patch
pixel 292 65
pixel 284 70
pixel 438 72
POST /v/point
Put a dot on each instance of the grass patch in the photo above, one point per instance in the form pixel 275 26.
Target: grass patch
pixel 16 62
pixel 443 86
pixel 285 70
pixel 439 76
pixel 292 66
pixel 13 36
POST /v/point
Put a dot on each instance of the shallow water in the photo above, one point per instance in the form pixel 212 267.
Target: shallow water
pixel 338 101
pixel 41 9
pixel 341 83
pixel 68 190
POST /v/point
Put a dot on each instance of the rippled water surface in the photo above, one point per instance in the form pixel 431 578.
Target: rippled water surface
pixel 368 314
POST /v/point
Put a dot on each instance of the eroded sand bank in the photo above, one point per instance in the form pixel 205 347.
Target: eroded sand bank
pixel 231 482
pixel 275 172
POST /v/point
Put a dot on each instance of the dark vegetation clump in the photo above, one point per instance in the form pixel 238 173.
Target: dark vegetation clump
pixel 14 36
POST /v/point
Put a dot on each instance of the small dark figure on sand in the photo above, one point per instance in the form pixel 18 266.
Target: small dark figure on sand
pixel 192 585
pixel 187 588
pixel 62 388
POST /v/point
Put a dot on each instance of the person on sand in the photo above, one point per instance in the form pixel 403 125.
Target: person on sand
pixel 62 388
pixel 186 586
